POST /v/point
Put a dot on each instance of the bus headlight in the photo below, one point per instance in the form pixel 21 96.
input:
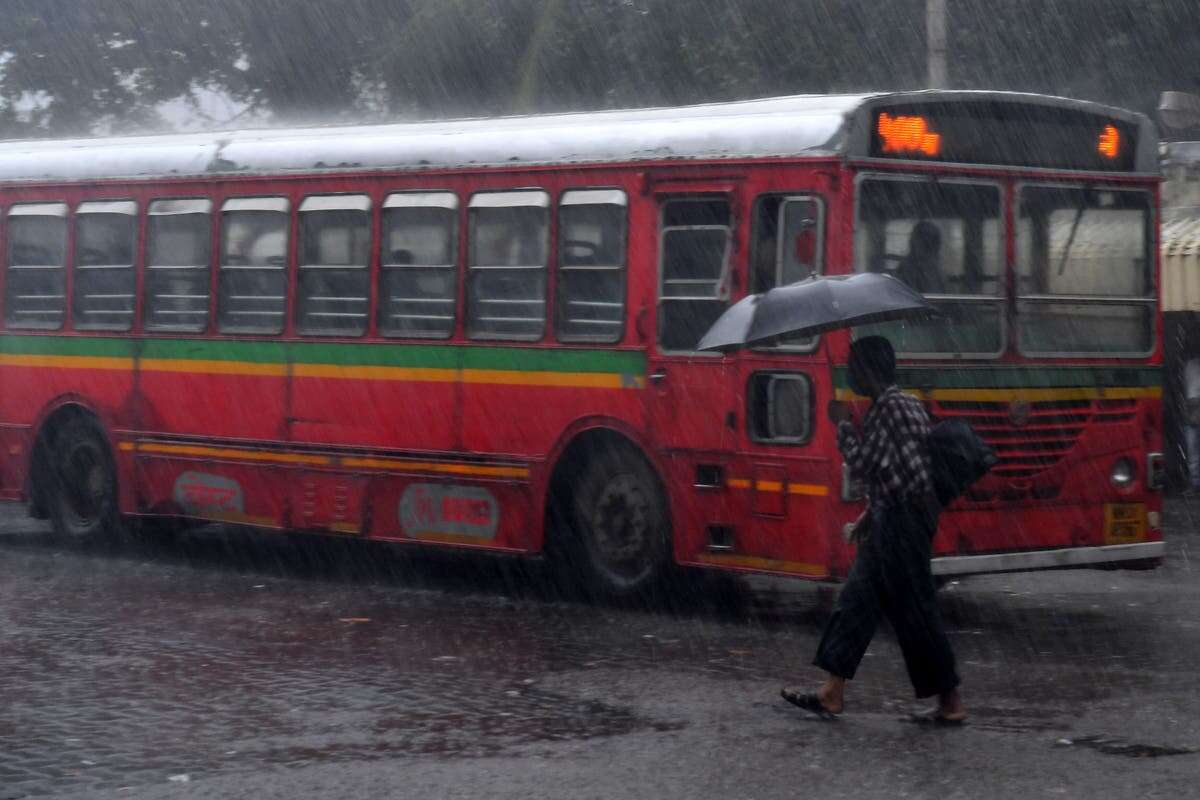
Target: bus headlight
pixel 1122 473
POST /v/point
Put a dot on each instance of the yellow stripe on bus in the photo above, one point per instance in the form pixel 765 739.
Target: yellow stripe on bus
pixel 67 362
pixel 247 519
pixel 808 489
pixel 1032 395
pixel 430 466
pixel 451 538
pixel 213 367
pixel 232 452
pixel 396 464
pixel 589 380
pixel 764 564
pixel 416 374
pixel 498 377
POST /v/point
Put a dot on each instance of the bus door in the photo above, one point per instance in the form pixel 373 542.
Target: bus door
pixel 692 410
pixel 781 483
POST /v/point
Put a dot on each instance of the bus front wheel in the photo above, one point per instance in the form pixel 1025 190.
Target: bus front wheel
pixel 621 539
pixel 83 491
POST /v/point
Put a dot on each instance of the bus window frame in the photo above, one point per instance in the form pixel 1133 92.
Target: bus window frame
pixel 132 208
pixel 398 199
pixel 1001 298
pixel 822 220
pixel 323 203
pixel 752 419
pixel 283 203
pixel 622 269
pixel 1151 299
pixel 724 282
pixel 212 213
pixel 61 209
pixel 489 198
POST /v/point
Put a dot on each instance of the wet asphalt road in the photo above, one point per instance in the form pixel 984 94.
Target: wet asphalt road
pixel 231 665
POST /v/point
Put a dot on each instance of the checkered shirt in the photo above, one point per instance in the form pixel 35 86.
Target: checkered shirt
pixel 891 455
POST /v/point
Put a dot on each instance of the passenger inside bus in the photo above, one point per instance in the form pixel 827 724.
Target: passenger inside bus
pixel 921 268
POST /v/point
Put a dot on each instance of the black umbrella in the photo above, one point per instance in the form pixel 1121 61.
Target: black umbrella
pixel 814 306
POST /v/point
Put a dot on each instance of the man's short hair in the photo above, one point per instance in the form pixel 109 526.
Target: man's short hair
pixel 877 355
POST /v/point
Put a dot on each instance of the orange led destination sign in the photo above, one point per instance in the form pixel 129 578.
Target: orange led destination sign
pixel 903 134
pixel 1110 142
pixel 1004 133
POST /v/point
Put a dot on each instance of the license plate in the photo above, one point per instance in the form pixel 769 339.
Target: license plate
pixel 1124 523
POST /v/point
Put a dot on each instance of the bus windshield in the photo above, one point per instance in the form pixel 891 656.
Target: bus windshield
pixel 944 238
pixel 1084 270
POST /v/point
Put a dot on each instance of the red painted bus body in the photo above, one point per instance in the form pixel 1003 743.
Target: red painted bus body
pixel 469 442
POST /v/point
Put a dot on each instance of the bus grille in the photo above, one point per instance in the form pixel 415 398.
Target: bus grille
pixel 1051 431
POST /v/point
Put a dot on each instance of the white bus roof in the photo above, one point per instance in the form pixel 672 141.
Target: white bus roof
pixel 800 125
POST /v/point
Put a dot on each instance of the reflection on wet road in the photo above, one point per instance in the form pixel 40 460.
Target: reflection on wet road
pixel 240 662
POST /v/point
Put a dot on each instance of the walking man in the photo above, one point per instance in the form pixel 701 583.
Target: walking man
pixel 891 574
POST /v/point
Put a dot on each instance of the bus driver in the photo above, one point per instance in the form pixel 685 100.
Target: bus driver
pixel 921 269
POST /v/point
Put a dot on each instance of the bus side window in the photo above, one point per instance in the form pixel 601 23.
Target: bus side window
pixel 105 239
pixel 418 275
pixel 788 247
pixel 694 277
pixel 35 288
pixel 506 280
pixel 335 242
pixel 591 265
pixel 779 407
pixel 788 240
pixel 252 281
pixel 177 261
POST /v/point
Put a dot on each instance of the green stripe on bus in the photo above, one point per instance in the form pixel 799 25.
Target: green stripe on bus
pixel 66 346
pixel 253 352
pixel 366 354
pixel 625 362
pixel 1017 377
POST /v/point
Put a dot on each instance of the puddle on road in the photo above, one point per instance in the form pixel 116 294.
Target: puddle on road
pixel 1016 720
pixel 1115 746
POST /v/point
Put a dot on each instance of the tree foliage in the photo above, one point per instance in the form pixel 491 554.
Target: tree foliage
pixel 70 67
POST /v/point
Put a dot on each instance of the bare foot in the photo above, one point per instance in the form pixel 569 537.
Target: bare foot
pixel 830 698
pixel 950 707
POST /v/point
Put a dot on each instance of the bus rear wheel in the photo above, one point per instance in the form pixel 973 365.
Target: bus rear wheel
pixel 620 545
pixel 83 491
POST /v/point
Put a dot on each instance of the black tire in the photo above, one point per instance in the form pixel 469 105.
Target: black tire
pixel 82 495
pixel 620 534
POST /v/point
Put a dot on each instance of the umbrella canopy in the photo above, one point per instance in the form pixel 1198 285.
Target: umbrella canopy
pixel 814 306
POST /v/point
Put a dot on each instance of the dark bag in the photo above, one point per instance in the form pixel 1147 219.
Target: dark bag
pixel 959 458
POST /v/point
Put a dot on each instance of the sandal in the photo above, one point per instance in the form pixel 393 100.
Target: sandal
pixel 807 701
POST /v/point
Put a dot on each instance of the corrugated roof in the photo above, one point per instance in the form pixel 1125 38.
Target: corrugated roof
pixel 1179 241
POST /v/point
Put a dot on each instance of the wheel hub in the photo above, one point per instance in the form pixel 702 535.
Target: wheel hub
pixel 85 482
pixel 620 521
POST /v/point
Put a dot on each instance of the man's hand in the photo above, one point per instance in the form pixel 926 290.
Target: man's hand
pixel 839 411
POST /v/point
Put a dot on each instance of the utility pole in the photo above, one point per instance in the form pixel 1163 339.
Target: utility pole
pixel 935 42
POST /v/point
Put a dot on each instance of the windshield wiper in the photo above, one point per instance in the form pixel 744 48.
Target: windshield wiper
pixel 1062 262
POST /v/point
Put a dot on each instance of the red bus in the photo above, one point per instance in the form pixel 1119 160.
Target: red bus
pixel 482 333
